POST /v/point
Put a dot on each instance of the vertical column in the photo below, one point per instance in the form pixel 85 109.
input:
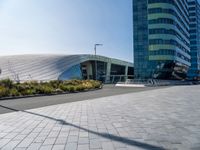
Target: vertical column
pixel 126 73
pixel 89 70
pixel 108 70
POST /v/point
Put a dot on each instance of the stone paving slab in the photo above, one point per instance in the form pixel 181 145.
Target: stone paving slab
pixel 151 120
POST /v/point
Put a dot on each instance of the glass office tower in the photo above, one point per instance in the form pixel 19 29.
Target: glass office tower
pixel 161 39
pixel 194 16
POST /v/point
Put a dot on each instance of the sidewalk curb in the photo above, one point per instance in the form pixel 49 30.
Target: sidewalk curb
pixel 42 95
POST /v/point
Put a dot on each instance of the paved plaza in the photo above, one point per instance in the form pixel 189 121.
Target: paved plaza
pixel 167 118
pixel 36 102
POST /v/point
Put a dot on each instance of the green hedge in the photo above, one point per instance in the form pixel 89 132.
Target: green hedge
pixel 10 89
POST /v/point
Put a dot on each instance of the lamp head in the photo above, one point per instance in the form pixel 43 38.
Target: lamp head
pixel 98 44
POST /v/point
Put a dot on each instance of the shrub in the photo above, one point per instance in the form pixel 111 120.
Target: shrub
pixel 6 83
pixel 55 83
pixel 79 87
pixel 8 88
pixel 64 87
pixel 28 92
pixel 32 82
pixel 14 92
pixel 22 87
pixel 72 82
pixel 96 84
pixel 69 88
pixel 4 92
pixel 87 84
pixel 58 90
pixel 44 89
pixel 72 89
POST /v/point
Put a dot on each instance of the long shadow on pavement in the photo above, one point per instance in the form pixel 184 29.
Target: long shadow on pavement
pixel 104 135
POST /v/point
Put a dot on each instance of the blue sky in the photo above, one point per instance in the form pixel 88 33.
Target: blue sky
pixel 66 27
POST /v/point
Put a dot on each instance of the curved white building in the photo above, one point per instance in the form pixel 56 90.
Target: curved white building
pixel 64 67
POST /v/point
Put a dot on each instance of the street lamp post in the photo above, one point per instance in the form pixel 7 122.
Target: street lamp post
pixel 95 53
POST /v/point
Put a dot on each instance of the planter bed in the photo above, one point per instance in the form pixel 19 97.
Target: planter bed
pixel 10 90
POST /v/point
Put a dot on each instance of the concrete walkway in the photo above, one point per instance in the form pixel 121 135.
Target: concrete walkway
pixel 158 119
pixel 36 102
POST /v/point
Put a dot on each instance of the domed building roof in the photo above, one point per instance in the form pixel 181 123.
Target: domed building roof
pixel 45 67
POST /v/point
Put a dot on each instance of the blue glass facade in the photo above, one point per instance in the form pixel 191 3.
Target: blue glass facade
pixel 161 39
pixel 140 38
pixel 72 73
pixel 194 14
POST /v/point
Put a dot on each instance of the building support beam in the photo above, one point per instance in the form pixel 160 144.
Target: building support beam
pixel 108 70
pixel 126 73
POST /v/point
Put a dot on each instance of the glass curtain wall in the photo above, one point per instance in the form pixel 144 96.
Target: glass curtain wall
pixel 194 15
pixel 161 39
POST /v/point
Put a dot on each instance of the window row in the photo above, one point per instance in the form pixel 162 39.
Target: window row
pixel 168 11
pixel 163 52
pixel 182 57
pixel 169 21
pixel 192 3
pixel 171 32
pixel 169 52
pixel 191 8
pixel 168 42
pixel 173 2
